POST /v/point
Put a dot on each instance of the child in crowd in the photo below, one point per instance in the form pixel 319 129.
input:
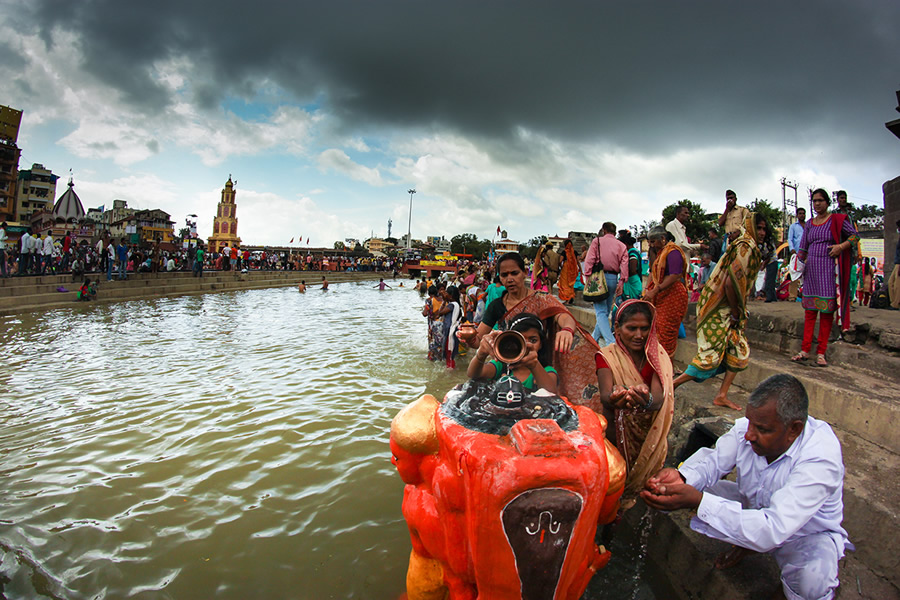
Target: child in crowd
pixel 531 370
pixel 87 292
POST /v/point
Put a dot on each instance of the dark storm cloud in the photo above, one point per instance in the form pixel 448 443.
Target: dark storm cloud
pixel 644 75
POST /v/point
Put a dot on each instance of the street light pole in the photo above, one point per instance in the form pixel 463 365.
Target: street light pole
pixel 409 229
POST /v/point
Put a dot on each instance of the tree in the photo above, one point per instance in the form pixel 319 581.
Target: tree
pixel 531 248
pixel 339 246
pixel 463 243
pixel 699 223
pixel 639 231
pixel 183 234
pixel 866 211
pixel 392 240
pixel 772 214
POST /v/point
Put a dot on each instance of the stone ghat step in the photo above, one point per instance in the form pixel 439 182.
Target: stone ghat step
pixel 871 481
pixel 777 327
pixel 872 344
pixel 129 284
pixel 856 402
pixel 686 559
pixel 15 285
pixel 155 288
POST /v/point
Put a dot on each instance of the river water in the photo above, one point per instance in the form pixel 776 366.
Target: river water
pixel 229 445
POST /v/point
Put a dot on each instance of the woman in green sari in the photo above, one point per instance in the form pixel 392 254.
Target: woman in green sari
pixel 633 287
pixel 722 345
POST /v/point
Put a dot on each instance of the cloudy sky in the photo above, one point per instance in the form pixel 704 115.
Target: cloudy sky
pixel 540 117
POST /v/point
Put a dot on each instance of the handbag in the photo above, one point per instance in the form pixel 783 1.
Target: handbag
pixel 796 268
pixel 595 288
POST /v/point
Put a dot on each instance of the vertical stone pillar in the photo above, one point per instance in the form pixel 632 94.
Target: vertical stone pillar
pixel 891 190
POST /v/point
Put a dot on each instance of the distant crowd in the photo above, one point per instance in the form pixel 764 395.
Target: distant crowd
pixel 45 255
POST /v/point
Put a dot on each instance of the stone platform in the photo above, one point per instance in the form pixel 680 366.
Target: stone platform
pixel 30 293
pixel 858 394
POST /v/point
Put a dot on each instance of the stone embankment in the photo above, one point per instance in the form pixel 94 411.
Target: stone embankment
pixel 858 394
pixel 25 294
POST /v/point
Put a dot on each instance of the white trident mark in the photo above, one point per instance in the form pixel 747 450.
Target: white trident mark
pixel 541 520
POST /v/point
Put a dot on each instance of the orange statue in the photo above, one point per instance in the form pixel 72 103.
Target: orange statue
pixel 504 493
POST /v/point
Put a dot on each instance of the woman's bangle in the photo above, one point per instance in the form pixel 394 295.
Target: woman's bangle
pixel 569 329
pixel 649 401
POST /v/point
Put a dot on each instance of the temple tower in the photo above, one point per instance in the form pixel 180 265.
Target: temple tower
pixel 225 223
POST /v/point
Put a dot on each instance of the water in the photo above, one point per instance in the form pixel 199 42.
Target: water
pixel 230 445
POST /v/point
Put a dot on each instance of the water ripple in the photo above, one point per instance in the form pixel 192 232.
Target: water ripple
pixel 231 445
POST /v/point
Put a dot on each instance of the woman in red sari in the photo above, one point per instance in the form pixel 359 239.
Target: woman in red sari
pixel 573 348
pixel 667 290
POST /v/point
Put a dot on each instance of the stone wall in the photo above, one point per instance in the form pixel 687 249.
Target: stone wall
pixel 891 190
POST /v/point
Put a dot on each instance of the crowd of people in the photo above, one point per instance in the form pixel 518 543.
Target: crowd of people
pixel 116 258
pixel 787 500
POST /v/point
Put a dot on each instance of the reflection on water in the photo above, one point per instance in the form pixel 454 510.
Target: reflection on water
pixel 232 445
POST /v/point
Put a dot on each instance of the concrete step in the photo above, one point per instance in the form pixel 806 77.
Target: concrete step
pixel 871 479
pixel 864 405
pixel 166 285
pixel 871 345
pixel 686 559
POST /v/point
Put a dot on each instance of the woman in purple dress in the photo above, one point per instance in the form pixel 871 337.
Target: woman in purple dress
pixel 825 248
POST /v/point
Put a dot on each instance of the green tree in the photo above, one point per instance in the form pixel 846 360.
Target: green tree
pixel 185 233
pixel 698 224
pixel 339 246
pixel 772 214
pixel 639 231
pixel 463 243
pixel 762 206
pixel 530 249
pixel 866 211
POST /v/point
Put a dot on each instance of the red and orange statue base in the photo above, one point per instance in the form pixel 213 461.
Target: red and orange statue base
pixel 504 493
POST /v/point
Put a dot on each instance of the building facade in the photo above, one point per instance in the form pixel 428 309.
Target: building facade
pixel 10 119
pixel 225 223
pixel 115 218
pixel 506 245
pixel 36 191
pixel 66 216
pixel 144 227
pixel 377 245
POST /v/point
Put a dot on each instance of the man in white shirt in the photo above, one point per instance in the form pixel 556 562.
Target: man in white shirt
pixel 47 254
pixel 788 499
pixel 678 230
pixel 3 238
pixel 24 252
pixel 795 234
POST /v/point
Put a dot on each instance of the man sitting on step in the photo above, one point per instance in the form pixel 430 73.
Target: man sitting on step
pixel 788 499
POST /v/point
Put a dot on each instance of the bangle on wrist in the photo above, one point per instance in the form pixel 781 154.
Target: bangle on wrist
pixel 649 401
pixel 569 329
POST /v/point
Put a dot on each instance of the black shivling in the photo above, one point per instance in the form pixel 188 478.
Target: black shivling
pixel 495 406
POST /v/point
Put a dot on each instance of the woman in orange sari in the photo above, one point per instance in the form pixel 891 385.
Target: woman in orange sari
pixel 573 348
pixel 667 290
pixel 571 272
pixel 539 272
pixel 634 376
